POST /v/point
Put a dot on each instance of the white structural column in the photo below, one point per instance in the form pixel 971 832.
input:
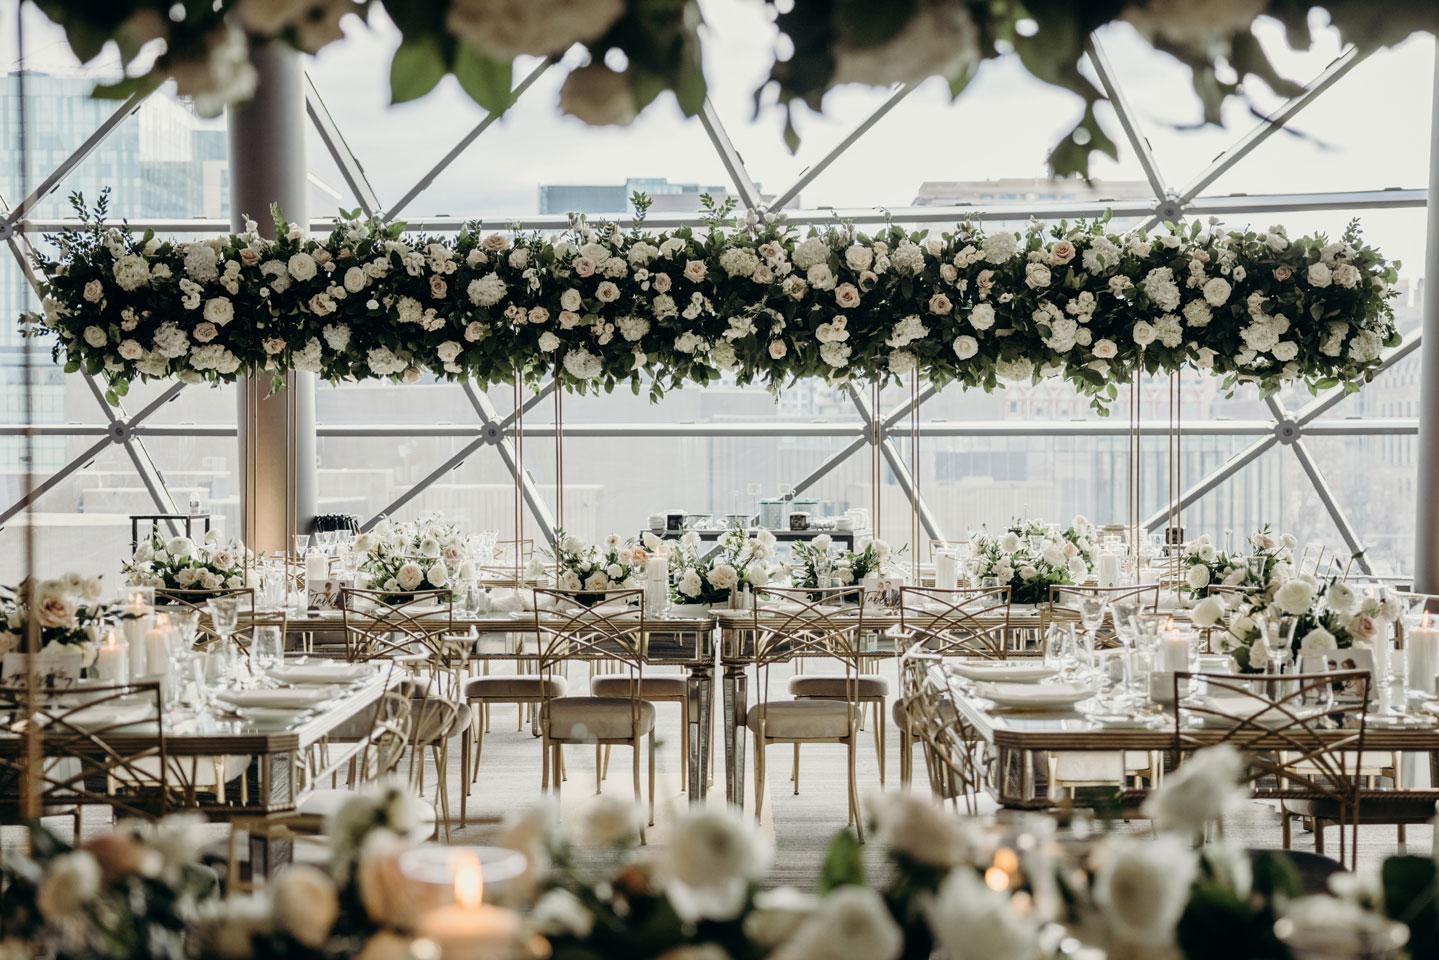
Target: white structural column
pixel 277 433
pixel 1426 527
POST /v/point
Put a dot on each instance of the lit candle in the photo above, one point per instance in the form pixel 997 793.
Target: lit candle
pixel 135 626
pixel 1174 651
pixel 156 659
pixel 1421 648
pixel 112 662
pixel 469 929
pixel 946 571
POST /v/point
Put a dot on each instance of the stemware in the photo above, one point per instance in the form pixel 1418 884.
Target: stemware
pixel 1278 634
pixel 1092 609
pixel 1059 649
pixel 302 543
pixel 1123 612
pixel 224 617
pixel 268 648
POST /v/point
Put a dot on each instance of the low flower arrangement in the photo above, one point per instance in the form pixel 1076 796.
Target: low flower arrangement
pixel 1029 573
pixel 846 566
pixel 616 564
pixel 68 609
pixel 179 563
pixel 741 561
pixel 1270 562
pixel 1331 616
pixel 1080 534
pixel 425 554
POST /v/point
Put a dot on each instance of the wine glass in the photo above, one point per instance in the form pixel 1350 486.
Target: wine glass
pixel 268 648
pixel 302 543
pixel 1278 634
pixel 1123 612
pixel 224 617
pixel 1059 649
pixel 1092 609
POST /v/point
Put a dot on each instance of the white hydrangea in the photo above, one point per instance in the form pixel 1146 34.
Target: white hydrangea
pixel 835 353
pixel 908 259
pixel 170 340
pixel 738 261
pixel 383 362
pixel 809 252
pixel 633 328
pixel 1197 313
pixel 487 291
pixel 902 362
pixel 308 359
pixel 132 271
pixel 1160 287
pixel 906 331
pixel 583 365
pixel 1020 369
pixel 1100 255
pixel 202 264
pixel 337 335
pixel 999 247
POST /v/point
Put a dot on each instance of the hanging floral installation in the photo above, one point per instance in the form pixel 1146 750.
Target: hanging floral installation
pixel 749 296
pixel 818 45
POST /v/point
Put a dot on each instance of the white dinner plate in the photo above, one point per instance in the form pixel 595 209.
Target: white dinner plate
pixel 321 672
pixel 1000 671
pixel 1232 710
pixel 1035 696
pixel 282 697
pixel 103 716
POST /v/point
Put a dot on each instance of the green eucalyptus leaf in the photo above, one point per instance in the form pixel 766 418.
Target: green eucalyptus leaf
pixel 485 79
pixel 418 65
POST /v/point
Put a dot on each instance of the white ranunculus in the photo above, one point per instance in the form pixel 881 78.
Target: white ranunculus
pixel 711 858
pixel 1207 612
pixel 1341 598
pixel 1203 788
pixel 561 913
pixel 972 922
pixel 1295 597
pixel 1009 541
pixel 1142 887
pixel 925 832
pixel 1318 640
pixel 1197 577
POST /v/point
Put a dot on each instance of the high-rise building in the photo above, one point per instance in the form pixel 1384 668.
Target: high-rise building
pixel 615 198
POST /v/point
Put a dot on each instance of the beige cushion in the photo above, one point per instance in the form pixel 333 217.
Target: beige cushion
pixel 597 718
pixel 801 719
pixel 1098 767
pixel 616 685
pixel 531 687
pixel 901 716
pixel 326 803
pixel 867 685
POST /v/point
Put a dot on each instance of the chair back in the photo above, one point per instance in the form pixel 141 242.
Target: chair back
pixel 593 625
pixel 386 626
pixel 199 600
pixel 947 742
pixel 966 622
pixel 1310 753
pixel 1145 595
pixel 92 750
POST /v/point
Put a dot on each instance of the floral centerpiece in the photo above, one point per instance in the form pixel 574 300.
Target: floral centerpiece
pixel 1028 572
pixel 179 563
pixel 615 565
pixel 740 561
pixel 68 609
pixel 424 554
pixel 845 566
pixel 1080 535
pixel 1269 563
pixel 1331 615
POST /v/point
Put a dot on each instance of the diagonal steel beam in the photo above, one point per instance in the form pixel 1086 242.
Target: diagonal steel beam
pixel 875 428
pixel 1271 125
pixel 1331 504
pixel 806 178
pixel 545 390
pixel 424 182
pixel 91 144
pixel 1319 407
pixel 1127 118
pixel 1206 484
pixel 729 157
pixel 50 482
pixel 350 167
pixel 506 449
pixel 830 463
pixel 421 485
pixel 909 404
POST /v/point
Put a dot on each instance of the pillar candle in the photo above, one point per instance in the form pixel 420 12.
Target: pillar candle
pixel 112 662
pixel 946 571
pixel 1108 569
pixel 317 568
pixel 1174 652
pixel 156 660
pixel 1421 646
pixel 657 568
pixel 135 629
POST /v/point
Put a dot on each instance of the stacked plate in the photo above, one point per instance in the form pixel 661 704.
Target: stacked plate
pixel 1037 697
pixel 1000 671
pixel 321 673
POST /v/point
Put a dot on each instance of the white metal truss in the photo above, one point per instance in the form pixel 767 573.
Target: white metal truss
pixel 872 429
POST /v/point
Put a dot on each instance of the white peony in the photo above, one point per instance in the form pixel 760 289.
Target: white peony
pixel 853 921
pixel 972 922
pixel 1295 598
pixel 711 858
pixel 1142 887
pixel 1203 788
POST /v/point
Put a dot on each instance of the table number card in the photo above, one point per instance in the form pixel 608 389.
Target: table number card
pixel 325 595
pixel 54 669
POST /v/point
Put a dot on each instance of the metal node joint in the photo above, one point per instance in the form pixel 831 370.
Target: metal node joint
pixel 120 431
pixel 1287 430
pixel 1170 209
pixel 492 433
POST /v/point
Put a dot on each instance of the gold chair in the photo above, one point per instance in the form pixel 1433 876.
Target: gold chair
pixel 372 757
pixel 91 753
pixel 593 625
pixel 809 627
pixel 1310 762
pixel 965 622
pixel 949 744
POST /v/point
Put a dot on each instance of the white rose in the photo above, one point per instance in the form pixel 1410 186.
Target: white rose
pixel 219 311
pixel 1294 598
pixel 1216 292
pixel 1197 577
pixel 1207 612
pixel 1318 640
pixel 965 346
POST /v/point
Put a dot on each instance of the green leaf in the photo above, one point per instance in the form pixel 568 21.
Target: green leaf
pixel 485 79
pixel 418 65
pixel 843 863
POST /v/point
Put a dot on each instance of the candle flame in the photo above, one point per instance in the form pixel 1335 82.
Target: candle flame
pixel 162 621
pixel 1006 860
pixel 110 639
pixel 996 879
pixel 1424 621
pixel 469 883
pixel 1169 624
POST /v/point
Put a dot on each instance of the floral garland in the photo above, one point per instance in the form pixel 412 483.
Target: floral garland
pixel 600 307
pixel 67 608
pixel 180 563
pixel 1029 573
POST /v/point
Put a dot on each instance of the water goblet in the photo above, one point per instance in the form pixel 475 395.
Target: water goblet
pixel 1278 634
pixel 1123 612
pixel 302 543
pixel 1059 651
pixel 268 648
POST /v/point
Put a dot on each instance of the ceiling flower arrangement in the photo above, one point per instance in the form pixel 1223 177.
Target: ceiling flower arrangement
pixel 820 44
pixel 598 307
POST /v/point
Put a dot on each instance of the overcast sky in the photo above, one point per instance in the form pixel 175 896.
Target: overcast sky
pixel 1370 131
